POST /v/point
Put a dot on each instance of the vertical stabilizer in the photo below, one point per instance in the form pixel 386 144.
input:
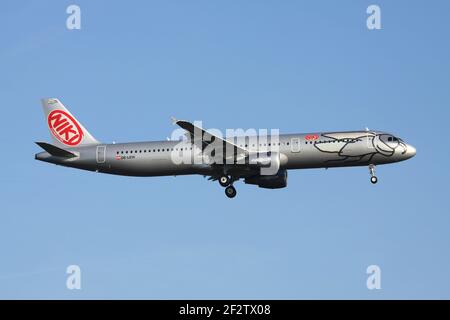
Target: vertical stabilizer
pixel 65 130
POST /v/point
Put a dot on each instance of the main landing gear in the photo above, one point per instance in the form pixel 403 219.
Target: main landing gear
pixel 227 182
pixel 373 178
pixel 230 191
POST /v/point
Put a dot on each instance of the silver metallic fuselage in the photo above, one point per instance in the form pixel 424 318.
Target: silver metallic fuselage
pixel 297 151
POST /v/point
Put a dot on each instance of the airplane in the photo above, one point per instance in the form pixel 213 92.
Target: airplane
pixel 255 159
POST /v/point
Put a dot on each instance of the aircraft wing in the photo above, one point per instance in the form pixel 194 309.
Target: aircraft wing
pixel 206 138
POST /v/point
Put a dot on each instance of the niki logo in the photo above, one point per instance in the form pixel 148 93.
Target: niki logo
pixel 65 128
pixel 311 137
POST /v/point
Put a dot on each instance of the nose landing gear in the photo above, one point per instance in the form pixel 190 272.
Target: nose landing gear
pixel 373 178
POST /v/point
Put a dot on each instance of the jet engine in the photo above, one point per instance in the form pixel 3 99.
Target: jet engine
pixel 276 181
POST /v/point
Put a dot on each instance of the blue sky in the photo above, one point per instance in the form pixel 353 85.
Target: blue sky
pixel 298 66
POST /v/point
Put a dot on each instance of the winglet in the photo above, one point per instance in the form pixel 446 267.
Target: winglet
pixel 174 120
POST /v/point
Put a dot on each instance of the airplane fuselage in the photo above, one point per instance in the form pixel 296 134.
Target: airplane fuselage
pixel 298 151
pixel 261 160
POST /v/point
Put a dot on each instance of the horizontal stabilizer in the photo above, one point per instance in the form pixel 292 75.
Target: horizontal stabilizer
pixel 55 151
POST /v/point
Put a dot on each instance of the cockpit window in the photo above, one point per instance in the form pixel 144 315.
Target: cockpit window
pixel 392 139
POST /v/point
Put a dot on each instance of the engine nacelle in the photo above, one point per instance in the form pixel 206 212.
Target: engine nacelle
pixel 269 162
pixel 270 182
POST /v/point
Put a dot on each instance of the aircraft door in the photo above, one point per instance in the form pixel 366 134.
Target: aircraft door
pixel 101 154
pixel 295 145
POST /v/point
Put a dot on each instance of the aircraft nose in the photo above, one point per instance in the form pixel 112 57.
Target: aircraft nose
pixel 410 151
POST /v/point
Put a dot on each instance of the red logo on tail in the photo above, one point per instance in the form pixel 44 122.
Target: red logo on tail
pixel 65 128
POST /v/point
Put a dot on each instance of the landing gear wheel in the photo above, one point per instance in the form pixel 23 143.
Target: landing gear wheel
pixel 373 178
pixel 230 192
pixel 224 181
